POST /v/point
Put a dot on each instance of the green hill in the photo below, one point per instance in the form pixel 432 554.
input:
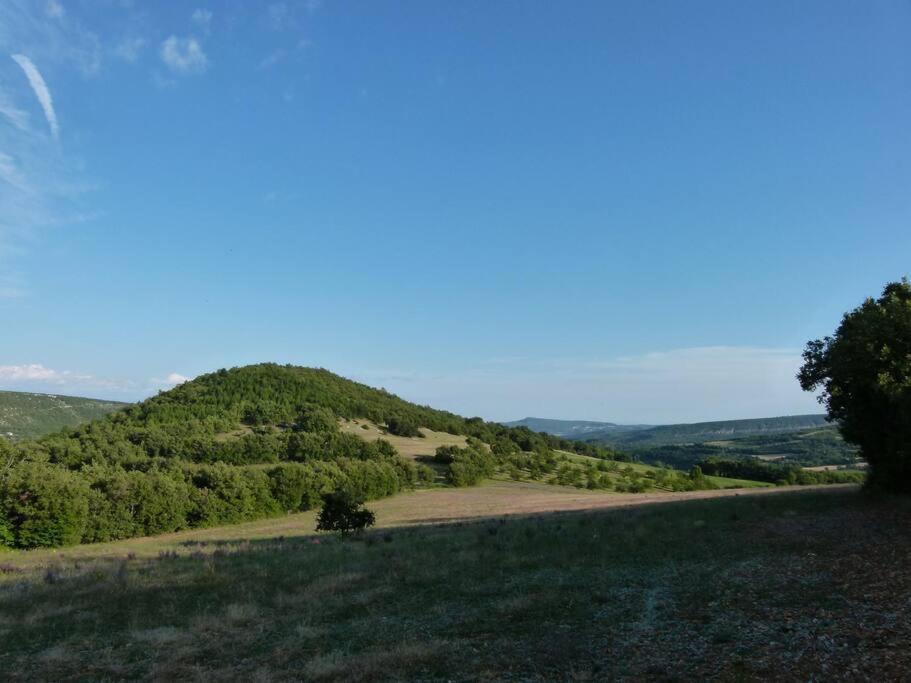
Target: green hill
pixel 235 445
pixel 26 416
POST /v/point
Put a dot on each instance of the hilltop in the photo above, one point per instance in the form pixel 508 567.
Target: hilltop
pixel 26 415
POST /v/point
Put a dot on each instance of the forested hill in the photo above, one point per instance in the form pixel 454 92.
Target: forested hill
pixel 255 408
pixel 700 432
pixel 231 446
pixel 25 415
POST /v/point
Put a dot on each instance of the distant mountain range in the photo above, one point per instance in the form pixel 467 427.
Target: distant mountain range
pixel 573 429
pixel 25 415
pixel 635 436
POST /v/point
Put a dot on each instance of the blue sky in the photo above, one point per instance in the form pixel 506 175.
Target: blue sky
pixel 630 211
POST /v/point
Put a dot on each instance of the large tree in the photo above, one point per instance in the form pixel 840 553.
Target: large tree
pixel 864 371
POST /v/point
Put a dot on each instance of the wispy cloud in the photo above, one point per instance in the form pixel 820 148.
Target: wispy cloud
pixel 39 87
pixel 177 378
pixel 36 372
pixel 203 19
pixel 40 184
pixel 54 9
pixel 184 55
pixel 128 49
pixel 13 114
pixel 272 58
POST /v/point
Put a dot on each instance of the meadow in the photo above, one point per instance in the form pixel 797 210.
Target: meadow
pixel 802 585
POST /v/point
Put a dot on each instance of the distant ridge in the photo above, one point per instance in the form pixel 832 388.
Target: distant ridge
pixel 699 432
pixel 572 429
pixel 25 415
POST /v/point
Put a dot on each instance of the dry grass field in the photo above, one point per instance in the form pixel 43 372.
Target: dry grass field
pixel 791 585
pixel 419 507
pixel 411 447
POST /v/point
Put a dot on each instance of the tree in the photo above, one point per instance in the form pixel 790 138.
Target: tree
pixel 403 426
pixel 864 371
pixel 343 512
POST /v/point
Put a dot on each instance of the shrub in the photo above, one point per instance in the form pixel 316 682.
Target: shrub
pixel 344 512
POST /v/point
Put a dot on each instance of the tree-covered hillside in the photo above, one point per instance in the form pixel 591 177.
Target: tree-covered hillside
pixel 699 432
pixel 25 415
pixel 228 446
pixel 805 448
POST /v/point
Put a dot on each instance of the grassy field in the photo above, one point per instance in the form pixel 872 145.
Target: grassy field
pixel 419 507
pixel 795 585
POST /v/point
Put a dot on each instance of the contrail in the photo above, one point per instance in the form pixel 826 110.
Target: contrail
pixel 41 91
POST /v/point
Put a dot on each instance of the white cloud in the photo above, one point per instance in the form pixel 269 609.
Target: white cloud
pixel 54 9
pixel 176 378
pixel 128 49
pixel 203 19
pixel 184 55
pixel 39 87
pixel 36 372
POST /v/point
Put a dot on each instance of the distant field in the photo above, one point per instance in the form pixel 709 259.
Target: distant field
pixel 767 585
pixel 25 415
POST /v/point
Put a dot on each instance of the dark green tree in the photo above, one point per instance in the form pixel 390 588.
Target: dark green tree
pixel 864 371
pixel 344 512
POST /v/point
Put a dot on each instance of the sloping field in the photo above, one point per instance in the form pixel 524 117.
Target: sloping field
pixel 782 585
pixel 411 447
pixel 425 506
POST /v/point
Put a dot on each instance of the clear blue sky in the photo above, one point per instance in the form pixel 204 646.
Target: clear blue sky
pixel 631 211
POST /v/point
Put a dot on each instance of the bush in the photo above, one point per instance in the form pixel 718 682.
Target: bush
pixel 343 512
pixel 467 466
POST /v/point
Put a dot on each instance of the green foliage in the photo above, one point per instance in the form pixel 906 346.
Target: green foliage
pixel 465 466
pixel 343 511
pixel 402 426
pixel 864 371
pixel 236 445
pixel 776 473
pixel 134 503
pixel 43 506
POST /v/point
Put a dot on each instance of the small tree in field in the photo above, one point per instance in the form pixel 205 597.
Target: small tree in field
pixel 864 371
pixel 343 512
